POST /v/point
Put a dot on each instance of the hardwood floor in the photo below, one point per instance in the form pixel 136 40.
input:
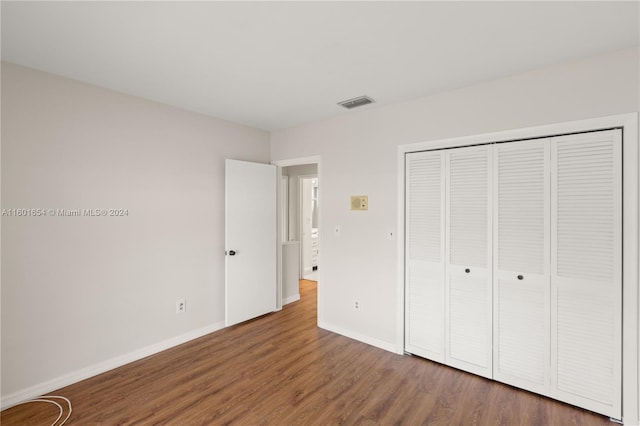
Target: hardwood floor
pixel 281 369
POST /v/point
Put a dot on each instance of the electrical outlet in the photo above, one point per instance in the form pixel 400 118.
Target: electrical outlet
pixel 356 305
pixel 181 306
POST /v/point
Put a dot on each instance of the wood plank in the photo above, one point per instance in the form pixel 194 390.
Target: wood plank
pixel 281 369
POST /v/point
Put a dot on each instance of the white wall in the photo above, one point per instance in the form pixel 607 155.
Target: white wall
pixel 79 291
pixel 290 272
pixel 359 158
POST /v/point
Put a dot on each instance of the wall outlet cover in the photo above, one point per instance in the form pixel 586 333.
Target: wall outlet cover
pixel 359 202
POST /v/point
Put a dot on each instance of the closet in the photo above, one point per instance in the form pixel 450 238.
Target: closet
pixel 513 264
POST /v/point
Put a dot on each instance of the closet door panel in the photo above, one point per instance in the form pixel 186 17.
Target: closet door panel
pixel 586 270
pixel 522 332
pixel 424 281
pixel 469 334
pixel 468 295
pixel 521 264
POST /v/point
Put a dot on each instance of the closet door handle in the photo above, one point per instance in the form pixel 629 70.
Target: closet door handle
pixel 520 277
pixel 467 270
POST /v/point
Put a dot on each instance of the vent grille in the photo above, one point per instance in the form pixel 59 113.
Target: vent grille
pixel 356 102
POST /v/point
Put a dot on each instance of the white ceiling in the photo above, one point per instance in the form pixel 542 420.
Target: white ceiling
pixel 274 65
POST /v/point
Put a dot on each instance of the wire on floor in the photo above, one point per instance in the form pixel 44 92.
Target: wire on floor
pixel 49 400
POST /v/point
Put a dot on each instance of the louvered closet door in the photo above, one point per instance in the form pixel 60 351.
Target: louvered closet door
pixel 468 276
pixel 424 269
pixel 521 264
pixel 586 271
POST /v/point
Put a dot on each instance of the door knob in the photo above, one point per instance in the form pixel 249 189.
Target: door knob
pixel 232 252
pixel 467 270
pixel 520 277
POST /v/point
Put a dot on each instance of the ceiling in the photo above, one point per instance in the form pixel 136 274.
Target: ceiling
pixel 274 65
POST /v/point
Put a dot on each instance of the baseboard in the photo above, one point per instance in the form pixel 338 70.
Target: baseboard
pixel 93 370
pixel 291 299
pixel 391 347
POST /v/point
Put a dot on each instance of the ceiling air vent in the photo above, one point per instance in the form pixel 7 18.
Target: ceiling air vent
pixel 356 102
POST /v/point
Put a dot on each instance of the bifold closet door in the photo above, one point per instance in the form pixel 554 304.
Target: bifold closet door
pixel 586 268
pixel 424 251
pixel 521 316
pixel 468 307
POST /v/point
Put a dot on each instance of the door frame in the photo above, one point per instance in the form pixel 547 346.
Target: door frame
pixel 631 225
pixel 301 179
pixel 315 159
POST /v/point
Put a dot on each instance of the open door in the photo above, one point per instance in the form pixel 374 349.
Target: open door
pixel 250 240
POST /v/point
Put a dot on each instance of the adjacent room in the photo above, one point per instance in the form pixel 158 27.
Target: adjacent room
pixel 323 213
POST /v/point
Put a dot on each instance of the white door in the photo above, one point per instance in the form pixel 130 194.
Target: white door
pixel 522 282
pixel 424 280
pixel 586 268
pixel 250 240
pixel 468 296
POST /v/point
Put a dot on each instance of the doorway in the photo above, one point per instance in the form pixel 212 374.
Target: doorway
pixel 299 225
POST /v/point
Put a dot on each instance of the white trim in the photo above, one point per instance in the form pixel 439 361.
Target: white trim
pixel 283 205
pixel 321 226
pixel 314 159
pixel 387 346
pixel 279 202
pixel 631 225
pixel 400 246
pixel 93 370
pixel 630 256
pixel 291 299
pixel 554 129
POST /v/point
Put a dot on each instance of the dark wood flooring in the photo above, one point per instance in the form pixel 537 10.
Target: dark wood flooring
pixel 281 369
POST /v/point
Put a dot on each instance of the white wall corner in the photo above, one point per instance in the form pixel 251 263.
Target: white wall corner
pixel 291 299
pixel 387 346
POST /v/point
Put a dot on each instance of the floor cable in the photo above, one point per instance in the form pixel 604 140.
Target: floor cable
pixel 49 399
